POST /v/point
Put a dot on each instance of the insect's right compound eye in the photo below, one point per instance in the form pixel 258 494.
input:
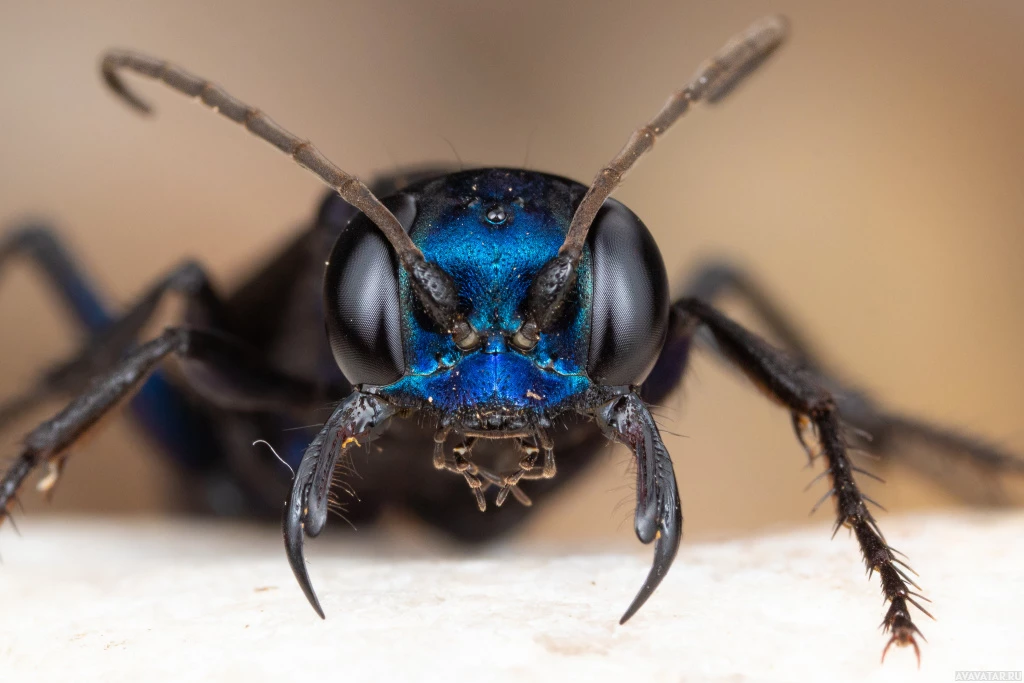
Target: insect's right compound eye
pixel 361 303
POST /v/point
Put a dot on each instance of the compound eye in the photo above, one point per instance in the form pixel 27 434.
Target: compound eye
pixel 630 301
pixel 361 303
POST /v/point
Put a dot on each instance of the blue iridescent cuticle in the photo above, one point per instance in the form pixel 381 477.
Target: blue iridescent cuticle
pixel 491 230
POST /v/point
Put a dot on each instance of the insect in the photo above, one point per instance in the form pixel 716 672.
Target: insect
pixel 469 317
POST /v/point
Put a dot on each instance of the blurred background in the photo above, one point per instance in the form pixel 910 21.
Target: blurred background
pixel 869 178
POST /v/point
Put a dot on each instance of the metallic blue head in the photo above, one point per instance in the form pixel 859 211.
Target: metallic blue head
pixel 491 231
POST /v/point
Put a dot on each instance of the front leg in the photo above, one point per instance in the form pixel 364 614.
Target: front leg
pixel 224 370
pixel 658 515
pixel 937 452
pixel 357 417
pixel 788 382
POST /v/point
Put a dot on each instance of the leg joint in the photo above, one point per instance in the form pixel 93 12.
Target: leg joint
pixel 188 278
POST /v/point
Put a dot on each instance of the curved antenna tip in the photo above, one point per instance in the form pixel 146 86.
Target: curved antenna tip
pixel 111 61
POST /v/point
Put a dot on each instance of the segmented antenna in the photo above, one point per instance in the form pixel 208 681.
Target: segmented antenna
pixel 715 79
pixel 262 126
pixel 434 287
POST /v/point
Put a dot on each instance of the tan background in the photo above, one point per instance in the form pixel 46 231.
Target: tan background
pixel 871 178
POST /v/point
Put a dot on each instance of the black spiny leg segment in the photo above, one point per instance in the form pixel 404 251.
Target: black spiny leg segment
pixel 305 514
pixel 937 452
pixel 658 515
pixel 222 369
pixel 799 389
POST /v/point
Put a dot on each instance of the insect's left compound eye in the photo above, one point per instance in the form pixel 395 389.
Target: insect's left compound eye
pixel 361 299
pixel 630 300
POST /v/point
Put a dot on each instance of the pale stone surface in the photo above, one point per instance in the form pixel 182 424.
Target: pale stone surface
pixel 162 601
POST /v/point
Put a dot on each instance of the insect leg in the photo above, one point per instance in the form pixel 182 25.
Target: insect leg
pixel 940 453
pixel 658 515
pixel 220 368
pixel 711 282
pixel 110 339
pixel 167 415
pixel 105 348
pixel 716 279
pixel 961 463
pixel 358 416
pixel 40 244
pixel 784 380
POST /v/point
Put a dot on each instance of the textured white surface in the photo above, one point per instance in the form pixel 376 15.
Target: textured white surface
pixel 117 601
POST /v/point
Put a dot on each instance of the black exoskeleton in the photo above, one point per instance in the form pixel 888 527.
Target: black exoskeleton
pixel 523 315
